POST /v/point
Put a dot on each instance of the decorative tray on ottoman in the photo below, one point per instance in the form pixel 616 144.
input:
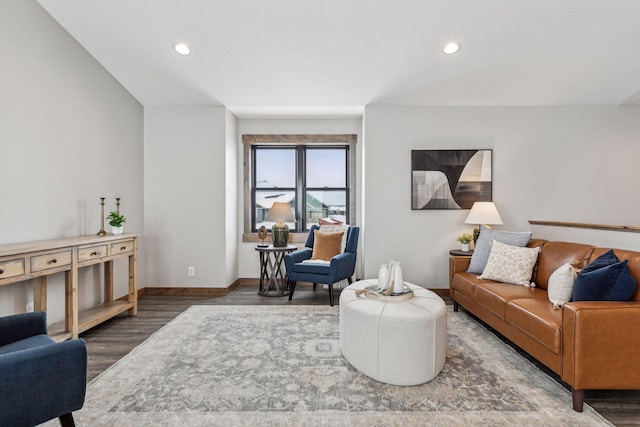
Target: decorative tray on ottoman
pixel 374 292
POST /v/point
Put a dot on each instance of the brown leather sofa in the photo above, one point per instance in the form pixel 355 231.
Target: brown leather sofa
pixel 591 345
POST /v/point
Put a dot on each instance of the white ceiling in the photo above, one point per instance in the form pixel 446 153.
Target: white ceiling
pixel 336 56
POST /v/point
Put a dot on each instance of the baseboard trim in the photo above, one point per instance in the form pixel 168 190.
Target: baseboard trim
pixel 181 291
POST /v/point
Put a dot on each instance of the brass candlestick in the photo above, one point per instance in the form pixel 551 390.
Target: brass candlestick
pixel 102 232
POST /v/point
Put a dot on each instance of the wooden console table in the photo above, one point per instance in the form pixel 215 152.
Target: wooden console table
pixel 37 260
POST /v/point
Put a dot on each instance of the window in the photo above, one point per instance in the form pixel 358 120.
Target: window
pixel 314 174
pixel 312 179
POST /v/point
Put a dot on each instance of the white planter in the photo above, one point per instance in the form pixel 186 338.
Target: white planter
pixel 117 230
pixel 464 247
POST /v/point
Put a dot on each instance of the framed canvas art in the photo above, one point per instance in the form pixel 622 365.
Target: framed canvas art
pixel 450 179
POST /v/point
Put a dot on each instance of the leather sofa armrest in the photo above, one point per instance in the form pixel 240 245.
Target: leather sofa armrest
pixel 458 264
pixel 601 344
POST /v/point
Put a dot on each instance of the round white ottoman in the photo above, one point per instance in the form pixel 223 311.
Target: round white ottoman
pixel 394 342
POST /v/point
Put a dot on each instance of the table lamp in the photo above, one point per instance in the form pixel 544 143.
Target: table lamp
pixel 484 213
pixel 280 213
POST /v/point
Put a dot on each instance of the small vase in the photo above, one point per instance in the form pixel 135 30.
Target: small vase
pixel 117 230
pixel 383 276
pixel 398 280
pixel 464 247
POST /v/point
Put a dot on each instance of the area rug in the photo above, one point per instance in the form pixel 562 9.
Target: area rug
pixel 282 366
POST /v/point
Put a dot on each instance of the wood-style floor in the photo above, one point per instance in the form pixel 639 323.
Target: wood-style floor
pixel 112 340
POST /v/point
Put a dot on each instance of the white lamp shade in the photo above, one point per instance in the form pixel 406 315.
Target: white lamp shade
pixel 484 213
pixel 280 212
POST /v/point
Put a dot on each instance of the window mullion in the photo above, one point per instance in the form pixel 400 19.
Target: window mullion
pixel 301 223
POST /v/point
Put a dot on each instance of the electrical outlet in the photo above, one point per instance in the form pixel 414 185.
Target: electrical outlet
pixel 30 307
pixel 191 271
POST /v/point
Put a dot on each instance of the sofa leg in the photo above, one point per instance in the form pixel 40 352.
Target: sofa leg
pixel 349 280
pixel 66 420
pixel 578 399
pixel 331 295
pixel 314 286
pixel 292 287
pixel 456 306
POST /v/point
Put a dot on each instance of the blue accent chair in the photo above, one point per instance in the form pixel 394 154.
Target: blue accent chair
pixel 39 378
pixel 342 266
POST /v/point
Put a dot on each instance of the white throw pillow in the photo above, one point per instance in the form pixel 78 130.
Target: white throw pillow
pixel 336 229
pixel 510 264
pixel 561 283
pixel 483 245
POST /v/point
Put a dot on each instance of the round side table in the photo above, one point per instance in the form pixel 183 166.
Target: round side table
pixel 273 278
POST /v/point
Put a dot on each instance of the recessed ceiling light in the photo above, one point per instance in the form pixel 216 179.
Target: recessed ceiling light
pixel 451 48
pixel 182 48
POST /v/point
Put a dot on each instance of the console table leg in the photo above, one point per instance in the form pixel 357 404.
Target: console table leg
pixel 71 299
pixel 133 279
pixel 40 294
pixel 108 281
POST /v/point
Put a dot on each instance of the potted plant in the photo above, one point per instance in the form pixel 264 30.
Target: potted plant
pixel 115 221
pixel 464 240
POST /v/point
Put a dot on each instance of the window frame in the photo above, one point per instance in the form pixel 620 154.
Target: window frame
pixel 300 143
pixel 301 190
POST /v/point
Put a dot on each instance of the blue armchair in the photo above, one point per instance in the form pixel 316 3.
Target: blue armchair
pixel 341 267
pixel 39 378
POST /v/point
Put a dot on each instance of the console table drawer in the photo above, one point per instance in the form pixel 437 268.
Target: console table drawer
pixel 11 268
pixel 52 260
pixel 92 252
pixel 122 247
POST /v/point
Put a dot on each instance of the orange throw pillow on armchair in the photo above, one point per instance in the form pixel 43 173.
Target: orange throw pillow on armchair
pixel 326 245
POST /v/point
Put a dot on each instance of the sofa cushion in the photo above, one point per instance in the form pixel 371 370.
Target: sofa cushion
pixel 605 279
pixel 326 245
pixel 555 254
pixel 465 283
pixel 536 318
pixel 494 295
pixel 483 245
pixel 561 284
pixel 309 266
pixel 510 264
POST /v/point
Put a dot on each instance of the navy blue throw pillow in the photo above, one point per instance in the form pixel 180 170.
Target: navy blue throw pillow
pixel 605 279
pixel 603 260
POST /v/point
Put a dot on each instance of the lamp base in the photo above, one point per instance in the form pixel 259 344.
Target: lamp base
pixel 280 235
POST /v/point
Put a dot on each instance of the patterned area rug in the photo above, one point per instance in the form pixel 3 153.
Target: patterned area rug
pixel 281 365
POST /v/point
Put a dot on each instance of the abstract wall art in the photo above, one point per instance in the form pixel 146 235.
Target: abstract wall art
pixel 450 179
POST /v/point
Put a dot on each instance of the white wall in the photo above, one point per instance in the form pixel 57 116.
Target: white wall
pixel 231 196
pixel 69 133
pixel 185 184
pixel 575 164
pixel 249 265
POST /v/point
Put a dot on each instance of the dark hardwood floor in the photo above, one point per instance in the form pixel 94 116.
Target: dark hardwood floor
pixel 112 340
